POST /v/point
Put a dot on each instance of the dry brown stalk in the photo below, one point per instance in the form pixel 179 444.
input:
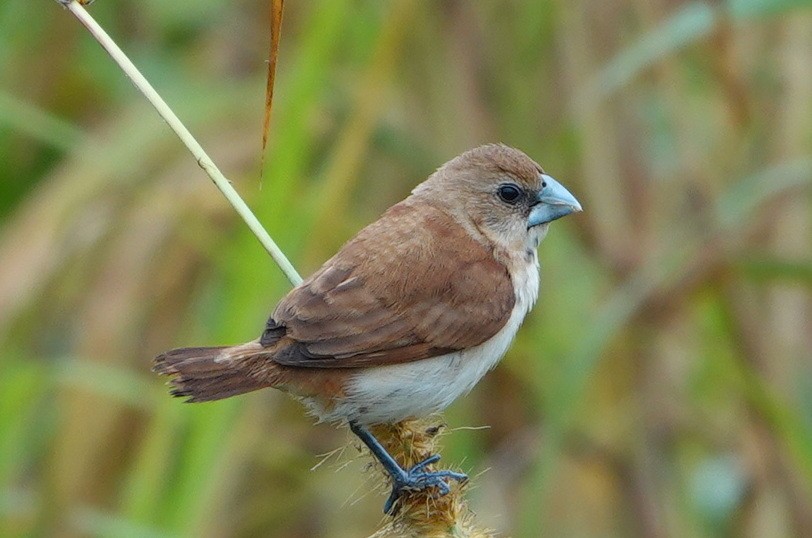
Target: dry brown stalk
pixel 423 513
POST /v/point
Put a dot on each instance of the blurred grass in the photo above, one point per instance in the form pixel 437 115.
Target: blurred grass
pixel 660 388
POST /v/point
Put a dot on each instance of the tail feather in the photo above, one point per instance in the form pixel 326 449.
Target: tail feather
pixel 202 374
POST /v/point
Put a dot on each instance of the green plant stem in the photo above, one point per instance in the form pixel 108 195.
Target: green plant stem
pixel 203 160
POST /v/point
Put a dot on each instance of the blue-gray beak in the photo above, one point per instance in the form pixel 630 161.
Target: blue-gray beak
pixel 553 202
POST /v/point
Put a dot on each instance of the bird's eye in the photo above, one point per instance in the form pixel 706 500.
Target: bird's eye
pixel 509 193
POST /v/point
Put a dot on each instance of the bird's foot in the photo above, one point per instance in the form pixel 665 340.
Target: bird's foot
pixel 417 478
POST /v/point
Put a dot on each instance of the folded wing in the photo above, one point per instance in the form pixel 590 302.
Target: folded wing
pixel 410 286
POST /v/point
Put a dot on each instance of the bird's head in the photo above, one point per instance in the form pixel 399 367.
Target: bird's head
pixel 502 192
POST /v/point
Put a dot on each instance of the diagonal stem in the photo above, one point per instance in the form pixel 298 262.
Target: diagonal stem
pixel 203 160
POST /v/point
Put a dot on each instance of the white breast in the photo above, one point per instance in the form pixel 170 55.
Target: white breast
pixel 415 389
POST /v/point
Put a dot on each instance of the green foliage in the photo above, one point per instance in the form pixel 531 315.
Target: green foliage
pixel 661 386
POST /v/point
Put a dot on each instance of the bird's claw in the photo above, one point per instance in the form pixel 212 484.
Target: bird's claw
pixel 417 479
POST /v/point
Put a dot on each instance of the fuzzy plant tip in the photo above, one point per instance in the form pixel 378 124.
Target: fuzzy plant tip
pixel 426 512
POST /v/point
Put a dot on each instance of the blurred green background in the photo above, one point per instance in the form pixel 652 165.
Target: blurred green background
pixel 661 387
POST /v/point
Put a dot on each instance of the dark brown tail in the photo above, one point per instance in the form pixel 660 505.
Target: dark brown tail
pixel 202 374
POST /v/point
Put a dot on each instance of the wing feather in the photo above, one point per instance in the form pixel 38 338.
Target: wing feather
pixel 410 286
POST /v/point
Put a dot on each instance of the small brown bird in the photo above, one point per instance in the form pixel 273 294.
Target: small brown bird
pixel 408 315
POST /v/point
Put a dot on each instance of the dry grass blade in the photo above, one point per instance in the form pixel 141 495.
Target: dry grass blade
pixel 277 6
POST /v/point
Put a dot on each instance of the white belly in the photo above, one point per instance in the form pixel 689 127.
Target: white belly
pixel 415 389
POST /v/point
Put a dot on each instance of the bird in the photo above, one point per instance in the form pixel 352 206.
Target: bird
pixel 408 315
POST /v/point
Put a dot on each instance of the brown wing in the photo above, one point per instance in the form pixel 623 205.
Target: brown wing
pixel 412 285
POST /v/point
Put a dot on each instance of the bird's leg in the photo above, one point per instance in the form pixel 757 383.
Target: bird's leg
pixel 416 478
